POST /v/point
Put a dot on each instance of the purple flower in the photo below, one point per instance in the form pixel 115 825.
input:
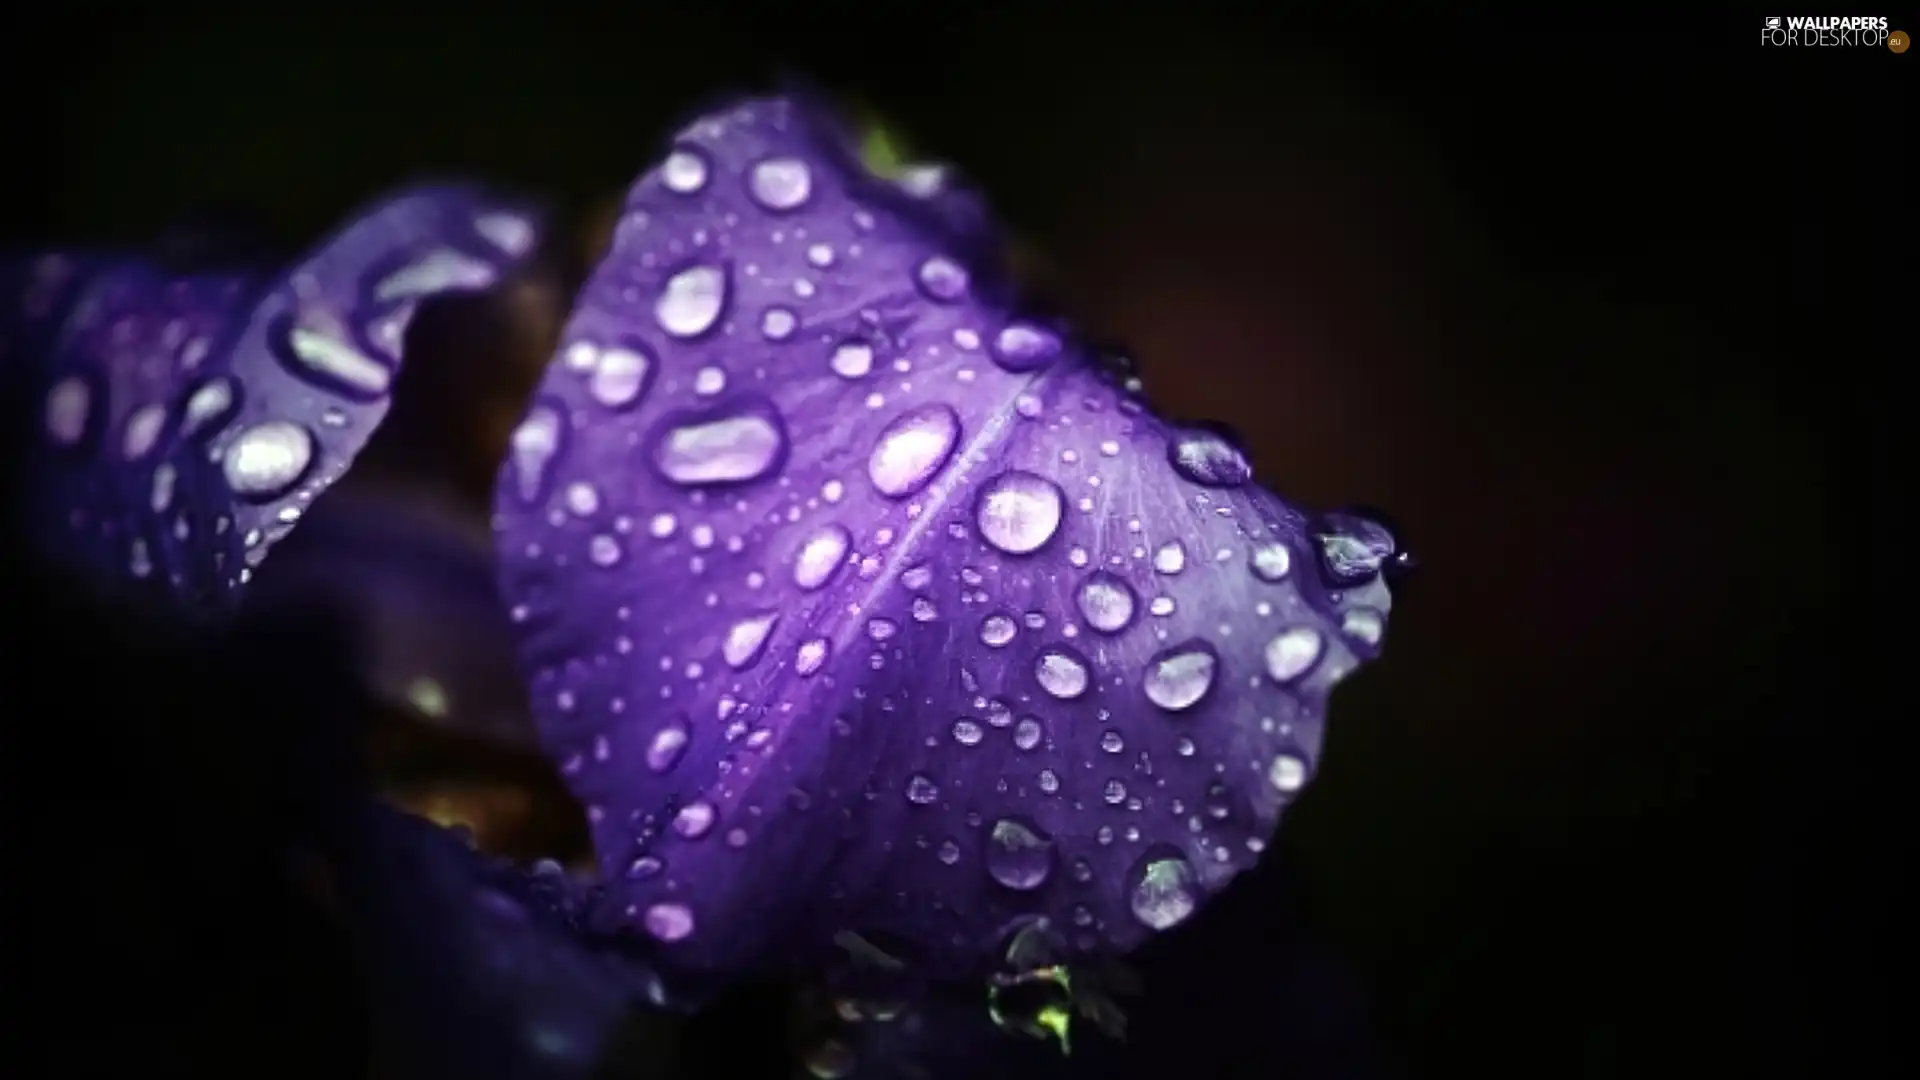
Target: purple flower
pixel 188 421
pixel 857 597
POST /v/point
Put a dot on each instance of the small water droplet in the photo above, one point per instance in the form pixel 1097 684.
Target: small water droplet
pixel 1292 653
pixel 1025 347
pixel 1019 512
pixel 997 630
pixel 730 448
pixel 852 360
pixel 669 922
pixel 265 460
pixel 1180 677
pixel 694 820
pixel 1207 459
pixel 1062 673
pixel 1019 855
pixel 1287 773
pixel 921 790
pixel 778 323
pixel 69 404
pixel 668 745
pixel 942 279
pixel 1171 558
pixel 747 639
pixel 780 184
pixel 685 171
pixel 968 732
pixel 1164 892
pixel 823 553
pixel 810 656
pixel 1106 602
pixel 692 300
pixel 1271 561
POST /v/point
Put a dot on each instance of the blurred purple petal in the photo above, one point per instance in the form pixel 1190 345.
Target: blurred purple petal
pixel 855 597
pixel 418 584
pixel 188 421
pixel 483 967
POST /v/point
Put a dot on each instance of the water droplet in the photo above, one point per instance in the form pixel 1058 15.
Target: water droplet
pixel 68 405
pixel 810 656
pixel 668 745
pixel 1114 793
pixel 142 431
pixel 1106 602
pixel 747 639
pixel 534 445
pixel 210 404
pixel 1292 652
pixel 1027 733
pixel 1207 459
pixel 921 790
pixel 1018 512
pixel 942 279
pixel 778 323
pixel 968 732
pixel 1111 742
pixel 949 852
pixel 914 447
pixel 332 363
pixel 781 183
pixel 1180 677
pixel 603 551
pixel 669 922
pixel 1025 347
pixel 823 553
pixel 582 499
pixel 1364 625
pixel 267 459
pixel 1171 558
pixel 852 360
pixel 728 449
pixel 1164 893
pixel 1019 855
pixel 1353 549
pixel 1287 773
pixel 685 171
pixel 694 820
pixel 709 381
pixel 1047 781
pixel 1062 673
pixel 691 302
pixel 997 630
pixel 1271 561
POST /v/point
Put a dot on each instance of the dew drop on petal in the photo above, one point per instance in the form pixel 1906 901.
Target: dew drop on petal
pixel 1106 602
pixel 781 183
pixel 1061 673
pixel 1271 561
pixel 691 302
pixel 1164 892
pixel 1180 677
pixel 912 449
pixel 821 555
pixel 1019 855
pixel 747 639
pixel 1292 653
pixel 722 450
pixel 267 459
pixel 669 922
pixel 1019 512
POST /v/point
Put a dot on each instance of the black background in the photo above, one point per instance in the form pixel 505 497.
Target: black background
pixel 1585 303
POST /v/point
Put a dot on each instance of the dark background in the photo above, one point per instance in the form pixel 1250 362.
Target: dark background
pixel 1587 306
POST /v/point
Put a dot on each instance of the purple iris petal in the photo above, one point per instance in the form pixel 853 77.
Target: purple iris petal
pixel 188 421
pixel 854 597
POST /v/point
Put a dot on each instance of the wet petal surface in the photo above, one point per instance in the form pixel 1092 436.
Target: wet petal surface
pixel 187 422
pixel 944 627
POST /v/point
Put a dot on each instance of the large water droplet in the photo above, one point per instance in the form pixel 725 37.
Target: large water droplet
pixel 1062 673
pixel 1353 549
pixel 914 447
pixel 142 431
pixel 1025 347
pixel 820 556
pixel 1027 733
pixel 781 183
pixel 1180 677
pixel 1164 892
pixel 1018 512
pixel 1019 855
pixel 669 922
pixel 1207 459
pixel 267 459
pixel 694 820
pixel 727 449
pixel 1287 773
pixel 668 745
pixel 747 639
pixel 1292 653
pixel 619 377
pixel 1106 602
pixel 692 300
